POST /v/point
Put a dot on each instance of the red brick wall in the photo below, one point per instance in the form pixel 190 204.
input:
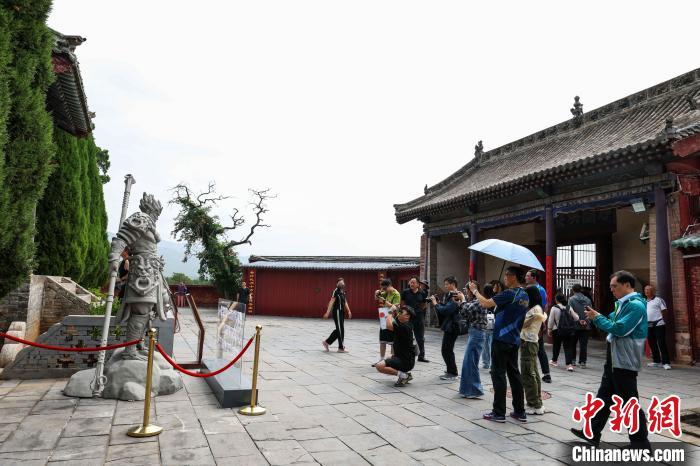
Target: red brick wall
pixel 693 268
pixel 678 330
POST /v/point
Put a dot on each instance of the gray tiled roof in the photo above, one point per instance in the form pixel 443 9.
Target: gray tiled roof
pixel 629 125
pixel 66 96
pixel 332 262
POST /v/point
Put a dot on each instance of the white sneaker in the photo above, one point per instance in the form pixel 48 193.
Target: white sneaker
pixel 325 346
pixel 653 364
pixel 536 411
pixel 667 366
pixel 570 368
pixel 449 377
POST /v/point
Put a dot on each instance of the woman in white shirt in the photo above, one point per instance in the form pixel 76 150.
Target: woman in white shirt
pixel 657 328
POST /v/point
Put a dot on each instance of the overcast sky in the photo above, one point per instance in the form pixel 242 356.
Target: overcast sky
pixel 344 108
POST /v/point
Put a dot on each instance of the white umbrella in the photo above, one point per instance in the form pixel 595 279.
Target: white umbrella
pixel 507 251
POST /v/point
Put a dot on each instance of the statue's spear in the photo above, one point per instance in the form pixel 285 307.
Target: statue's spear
pixel 98 384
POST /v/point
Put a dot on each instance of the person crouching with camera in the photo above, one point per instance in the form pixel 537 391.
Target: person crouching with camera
pixel 399 321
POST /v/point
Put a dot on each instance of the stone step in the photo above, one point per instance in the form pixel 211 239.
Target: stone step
pixel 73 288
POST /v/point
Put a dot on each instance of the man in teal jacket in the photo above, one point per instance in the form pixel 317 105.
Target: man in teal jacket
pixel 627 331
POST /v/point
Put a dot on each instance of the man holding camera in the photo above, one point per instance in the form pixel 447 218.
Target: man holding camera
pixel 627 332
pixel 448 312
pixel 415 297
pixel 398 321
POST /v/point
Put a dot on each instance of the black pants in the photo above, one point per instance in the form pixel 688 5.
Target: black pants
pixel 568 341
pixel 339 332
pixel 419 332
pixel 623 383
pixel 657 343
pixel 542 356
pixel 582 337
pixel 448 351
pixel 556 345
pixel 504 362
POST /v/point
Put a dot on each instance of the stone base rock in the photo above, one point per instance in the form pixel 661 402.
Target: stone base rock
pixel 126 379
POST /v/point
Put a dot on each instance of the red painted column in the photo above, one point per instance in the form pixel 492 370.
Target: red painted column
pixel 251 286
pixel 472 254
pixel 550 252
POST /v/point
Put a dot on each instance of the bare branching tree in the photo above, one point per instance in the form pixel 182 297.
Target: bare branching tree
pixel 200 229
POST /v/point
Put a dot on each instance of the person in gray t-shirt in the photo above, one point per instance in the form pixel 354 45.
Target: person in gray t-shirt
pixel 578 302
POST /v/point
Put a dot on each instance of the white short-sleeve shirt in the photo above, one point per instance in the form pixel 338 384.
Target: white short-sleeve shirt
pixel 654 308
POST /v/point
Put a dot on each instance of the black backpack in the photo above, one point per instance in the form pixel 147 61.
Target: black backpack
pixel 566 325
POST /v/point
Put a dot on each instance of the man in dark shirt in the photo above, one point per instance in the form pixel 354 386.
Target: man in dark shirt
pixel 243 296
pixel 404 357
pixel 414 297
pixel 511 306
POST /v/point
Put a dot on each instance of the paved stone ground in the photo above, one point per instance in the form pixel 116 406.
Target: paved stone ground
pixel 326 408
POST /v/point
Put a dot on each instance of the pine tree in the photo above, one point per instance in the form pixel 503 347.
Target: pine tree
pixel 29 148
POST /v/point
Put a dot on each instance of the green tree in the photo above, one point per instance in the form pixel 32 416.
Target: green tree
pixel 29 146
pixel 96 267
pixel 71 217
pixel 178 277
pixel 103 164
pixel 200 230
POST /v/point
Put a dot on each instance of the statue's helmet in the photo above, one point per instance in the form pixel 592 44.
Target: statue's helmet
pixel 150 206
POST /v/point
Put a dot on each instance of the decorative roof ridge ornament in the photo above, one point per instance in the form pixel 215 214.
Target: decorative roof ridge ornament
pixel 479 152
pixel 693 102
pixel 669 129
pixel 577 111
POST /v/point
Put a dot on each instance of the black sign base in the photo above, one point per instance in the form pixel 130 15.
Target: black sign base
pixel 231 388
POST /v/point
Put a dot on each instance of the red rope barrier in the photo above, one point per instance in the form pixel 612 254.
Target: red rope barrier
pixel 63 348
pixel 199 374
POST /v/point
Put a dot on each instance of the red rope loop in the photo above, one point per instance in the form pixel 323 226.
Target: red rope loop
pixel 199 374
pixel 63 348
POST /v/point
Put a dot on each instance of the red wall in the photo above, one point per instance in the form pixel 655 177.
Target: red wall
pixel 305 293
pixel 204 295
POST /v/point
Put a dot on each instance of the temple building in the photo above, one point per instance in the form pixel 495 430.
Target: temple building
pixel 608 189
pixel 66 98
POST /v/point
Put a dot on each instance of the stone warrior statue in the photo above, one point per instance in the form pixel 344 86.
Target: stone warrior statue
pixel 146 293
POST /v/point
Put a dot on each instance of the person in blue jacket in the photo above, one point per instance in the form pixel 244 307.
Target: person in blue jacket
pixel 626 326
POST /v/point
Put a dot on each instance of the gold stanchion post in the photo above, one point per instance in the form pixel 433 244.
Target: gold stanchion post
pixel 146 429
pixel 254 409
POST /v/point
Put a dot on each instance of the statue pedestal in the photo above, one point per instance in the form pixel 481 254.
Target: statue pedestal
pixel 231 388
pixel 126 378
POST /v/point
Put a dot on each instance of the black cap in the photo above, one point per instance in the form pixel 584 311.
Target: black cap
pixel 424 283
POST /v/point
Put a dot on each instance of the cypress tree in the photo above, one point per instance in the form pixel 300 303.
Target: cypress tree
pixel 98 245
pixel 60 223
pixel 5 57
pixel 71 218
pixel 29 147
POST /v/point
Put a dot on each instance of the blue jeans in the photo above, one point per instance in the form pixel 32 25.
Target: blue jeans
pixel 470 383
pixel 486 354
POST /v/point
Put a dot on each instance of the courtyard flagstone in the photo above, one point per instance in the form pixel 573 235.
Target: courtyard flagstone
pixel 323 408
